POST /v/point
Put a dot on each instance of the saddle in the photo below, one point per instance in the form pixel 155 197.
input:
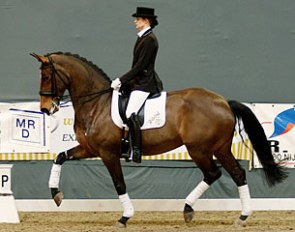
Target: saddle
pixel 123 102
pixel 153 111
pixel 152 114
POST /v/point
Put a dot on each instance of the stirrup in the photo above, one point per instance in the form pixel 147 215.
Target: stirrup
pixel 125 146
pixel 127 156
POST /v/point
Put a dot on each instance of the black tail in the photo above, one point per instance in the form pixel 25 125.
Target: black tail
pixel 274 173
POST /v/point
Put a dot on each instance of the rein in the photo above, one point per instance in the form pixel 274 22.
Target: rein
pixel 95 94
pixel 53 93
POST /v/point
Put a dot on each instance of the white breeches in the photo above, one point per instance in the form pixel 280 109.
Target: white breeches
pixel 136 100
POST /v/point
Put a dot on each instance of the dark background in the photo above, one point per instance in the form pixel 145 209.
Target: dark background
pixel 242 49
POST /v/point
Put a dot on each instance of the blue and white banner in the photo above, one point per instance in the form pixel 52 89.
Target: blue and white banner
pixel 23 128
pixel 278 121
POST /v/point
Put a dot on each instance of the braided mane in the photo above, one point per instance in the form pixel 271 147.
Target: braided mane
pixel 94 66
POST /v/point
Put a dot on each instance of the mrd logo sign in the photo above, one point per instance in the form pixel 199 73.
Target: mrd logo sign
pixel 28 127
pixel 24 129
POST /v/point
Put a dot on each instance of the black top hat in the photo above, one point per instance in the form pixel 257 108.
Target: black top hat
pixel 145 12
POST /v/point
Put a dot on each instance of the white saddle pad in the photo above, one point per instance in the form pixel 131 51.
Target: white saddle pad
pixel 154 111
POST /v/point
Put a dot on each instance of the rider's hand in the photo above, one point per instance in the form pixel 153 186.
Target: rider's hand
pixel 116 84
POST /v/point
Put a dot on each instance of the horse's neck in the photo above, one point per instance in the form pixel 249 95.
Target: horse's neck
pixel 85 84
pixel 88 96
pixel 89 111
pixel 87 101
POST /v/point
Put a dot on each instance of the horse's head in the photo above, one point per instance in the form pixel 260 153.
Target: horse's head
pixel 65 71
pixel 52 85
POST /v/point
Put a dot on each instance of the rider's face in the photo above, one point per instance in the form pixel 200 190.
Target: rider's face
pixel 141 23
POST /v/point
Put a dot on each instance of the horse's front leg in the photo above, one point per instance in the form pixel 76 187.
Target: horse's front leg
pixel 112 162
pixel 77 152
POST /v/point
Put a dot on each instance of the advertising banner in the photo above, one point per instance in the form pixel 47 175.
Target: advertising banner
pixel 278 121
pixel 62 129
pixel 28 134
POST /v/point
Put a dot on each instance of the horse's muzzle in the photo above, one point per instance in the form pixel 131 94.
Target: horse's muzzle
pixel 49 108
pixel 45 110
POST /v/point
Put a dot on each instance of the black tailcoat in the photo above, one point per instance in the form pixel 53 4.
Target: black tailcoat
pixel 142 75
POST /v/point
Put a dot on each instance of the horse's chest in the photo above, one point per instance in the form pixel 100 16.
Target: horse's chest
pixel 82 139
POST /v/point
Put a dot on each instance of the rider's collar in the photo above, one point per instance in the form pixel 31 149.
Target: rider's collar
pixel 140 34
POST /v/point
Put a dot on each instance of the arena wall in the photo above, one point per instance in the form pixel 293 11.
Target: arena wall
pixel 88 187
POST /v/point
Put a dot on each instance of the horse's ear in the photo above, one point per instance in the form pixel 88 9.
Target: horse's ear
pixel 40 58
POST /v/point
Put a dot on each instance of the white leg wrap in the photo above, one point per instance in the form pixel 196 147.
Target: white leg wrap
pixel 128 210
pixel 245 200
pixel 54 176
pixel 196 193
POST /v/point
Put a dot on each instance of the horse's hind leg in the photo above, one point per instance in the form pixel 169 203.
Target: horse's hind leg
pixel 211 174
pixel 238 175
pixel 74 153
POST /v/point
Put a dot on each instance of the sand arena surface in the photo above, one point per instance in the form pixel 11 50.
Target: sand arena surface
pixel 151 221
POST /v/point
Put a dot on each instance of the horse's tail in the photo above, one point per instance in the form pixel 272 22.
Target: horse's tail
pixel 274 173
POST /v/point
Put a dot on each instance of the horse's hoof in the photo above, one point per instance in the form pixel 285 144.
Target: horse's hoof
pixel 240 223
pixel 188 213
pixel 120 225
pixel 58 198
pixel 188 216
pixel 122 222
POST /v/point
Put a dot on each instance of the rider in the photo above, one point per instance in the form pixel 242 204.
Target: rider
pixel 142 78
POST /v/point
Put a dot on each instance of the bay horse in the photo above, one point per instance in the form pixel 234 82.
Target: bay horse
pixel 201 120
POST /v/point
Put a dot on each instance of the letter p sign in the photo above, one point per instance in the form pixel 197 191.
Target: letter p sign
pixel 5 180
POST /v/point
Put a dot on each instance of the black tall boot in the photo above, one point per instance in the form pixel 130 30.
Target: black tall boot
pixel 135 132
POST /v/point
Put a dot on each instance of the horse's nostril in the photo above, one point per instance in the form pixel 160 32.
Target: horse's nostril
pixel 44 110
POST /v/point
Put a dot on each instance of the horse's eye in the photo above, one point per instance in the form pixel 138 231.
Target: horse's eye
pixel 45 78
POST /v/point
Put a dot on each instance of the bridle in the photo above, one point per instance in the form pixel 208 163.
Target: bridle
pixel 53 93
